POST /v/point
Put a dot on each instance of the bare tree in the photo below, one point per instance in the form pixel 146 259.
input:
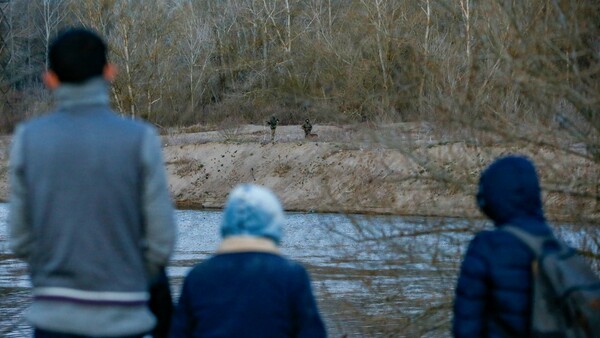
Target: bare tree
pixel 52 13
pixel 195 47
pixel 125 47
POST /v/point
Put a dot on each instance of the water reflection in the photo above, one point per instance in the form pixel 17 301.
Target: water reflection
pixel 371 275
pixel 343 254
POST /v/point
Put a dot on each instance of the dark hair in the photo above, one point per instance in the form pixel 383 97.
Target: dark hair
pixel 77 55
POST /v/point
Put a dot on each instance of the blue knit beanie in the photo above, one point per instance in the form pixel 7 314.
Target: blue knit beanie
pixel 252 210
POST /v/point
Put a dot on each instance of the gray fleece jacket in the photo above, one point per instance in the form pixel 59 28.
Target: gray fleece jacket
pixel 91 214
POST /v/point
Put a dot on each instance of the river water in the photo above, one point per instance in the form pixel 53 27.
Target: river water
pixel 372 276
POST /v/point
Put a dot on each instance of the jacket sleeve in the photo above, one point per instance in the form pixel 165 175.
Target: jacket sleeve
pixel 472 292
pixel 20 232
pixel 157 206
pixel 308 320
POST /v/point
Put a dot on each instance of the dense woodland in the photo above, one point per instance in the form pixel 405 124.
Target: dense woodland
pixel 196 61
pixel 493 75
pixel 518 73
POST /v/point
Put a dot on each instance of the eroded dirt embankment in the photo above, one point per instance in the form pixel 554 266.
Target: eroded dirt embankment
pixel 307 176
pixel 343 169
pixel 338 171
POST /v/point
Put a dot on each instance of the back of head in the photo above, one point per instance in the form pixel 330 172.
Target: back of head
pixel 252 210
pixel 509 188
pixel 77 55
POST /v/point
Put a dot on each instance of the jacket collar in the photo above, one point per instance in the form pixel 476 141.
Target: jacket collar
pixel 91 92
pixel 233 244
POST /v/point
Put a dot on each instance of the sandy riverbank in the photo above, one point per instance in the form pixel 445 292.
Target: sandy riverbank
pixel 338 171
pixel 342 169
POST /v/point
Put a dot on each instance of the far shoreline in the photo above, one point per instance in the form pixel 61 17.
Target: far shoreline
pixel 193 207
pixel 353 170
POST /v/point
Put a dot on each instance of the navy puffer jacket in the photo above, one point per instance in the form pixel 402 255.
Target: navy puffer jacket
pixel 493 294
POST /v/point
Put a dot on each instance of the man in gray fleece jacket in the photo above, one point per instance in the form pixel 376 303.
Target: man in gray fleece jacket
pixel 90 210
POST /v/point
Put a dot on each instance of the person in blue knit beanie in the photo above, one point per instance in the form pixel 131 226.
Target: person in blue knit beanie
pixel 247 289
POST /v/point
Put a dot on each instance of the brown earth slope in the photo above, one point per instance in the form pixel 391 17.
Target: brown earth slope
pixel 338 171
pixel 341 169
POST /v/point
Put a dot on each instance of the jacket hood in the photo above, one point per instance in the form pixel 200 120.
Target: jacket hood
pixel 509 192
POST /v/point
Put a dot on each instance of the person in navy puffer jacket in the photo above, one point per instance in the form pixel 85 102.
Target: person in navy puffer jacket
pixel 493 294
pixel 248 289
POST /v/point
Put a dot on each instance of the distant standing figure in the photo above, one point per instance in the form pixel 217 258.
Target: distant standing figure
pixel 307 127
pixel 247 289
pixel 273 124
